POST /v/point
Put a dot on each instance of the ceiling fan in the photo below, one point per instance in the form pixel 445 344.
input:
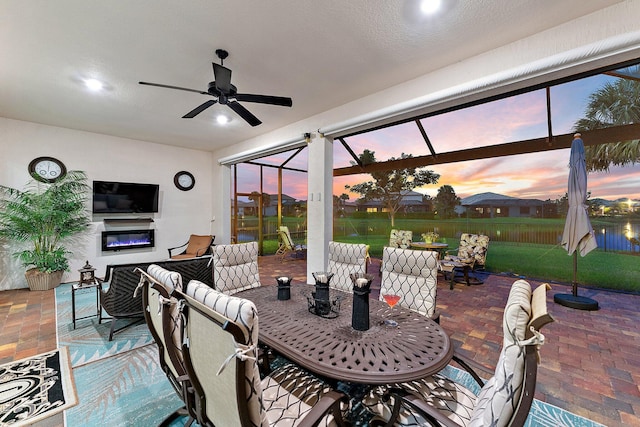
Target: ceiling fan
pixel 226 94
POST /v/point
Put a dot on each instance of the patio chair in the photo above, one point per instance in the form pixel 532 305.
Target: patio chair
pixel 220 338
pixel 235 267
pixel 412 275
pixel 165 324
pixel 344 259
pixel 196 246
pixel 400 239
pixel 288 246
pixel 471 256
pixel 503 400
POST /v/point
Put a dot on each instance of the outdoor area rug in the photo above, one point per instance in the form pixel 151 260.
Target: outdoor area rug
pixel 90 341
pixel 35 388
pixel 128 389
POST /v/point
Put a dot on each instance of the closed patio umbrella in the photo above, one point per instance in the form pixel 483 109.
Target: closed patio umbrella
pixel 578 234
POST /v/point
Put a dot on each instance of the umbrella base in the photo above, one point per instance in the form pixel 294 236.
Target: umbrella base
pixel 577 302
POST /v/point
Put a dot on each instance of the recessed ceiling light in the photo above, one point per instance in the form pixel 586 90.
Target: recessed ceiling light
pixel 429 6
pixel 222 119
pixel 93 84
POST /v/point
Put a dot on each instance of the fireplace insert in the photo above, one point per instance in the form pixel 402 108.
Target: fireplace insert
pixel 127 239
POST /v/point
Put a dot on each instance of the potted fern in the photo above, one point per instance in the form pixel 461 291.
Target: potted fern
pixel 40 220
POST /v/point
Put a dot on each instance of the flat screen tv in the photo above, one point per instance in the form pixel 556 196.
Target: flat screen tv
pixel 124 197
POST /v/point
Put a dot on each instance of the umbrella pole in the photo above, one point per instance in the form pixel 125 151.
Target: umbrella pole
pixel 572 300
pixel 574 284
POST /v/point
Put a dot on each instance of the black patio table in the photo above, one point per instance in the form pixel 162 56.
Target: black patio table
pixel 330 347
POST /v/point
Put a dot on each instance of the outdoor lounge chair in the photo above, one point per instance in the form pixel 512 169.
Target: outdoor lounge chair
pixel 220 339
pixel 503 400
pixel 165 324
pixel 288 246
pixel 471 255
pixel 196 246
pixel 345 259
pixel 235 267
pixel 413 276
pixel 400 239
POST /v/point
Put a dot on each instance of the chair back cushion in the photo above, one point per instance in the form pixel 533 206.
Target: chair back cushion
pixel 400 239
pixel 157 300
pixel 210 344
pixel 344 259
pixel 411 274
pixel 499 397
pixel 198 245
pixel 235 267
pixel 473 247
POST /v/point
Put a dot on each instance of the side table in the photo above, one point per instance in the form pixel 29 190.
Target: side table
pixel 96 284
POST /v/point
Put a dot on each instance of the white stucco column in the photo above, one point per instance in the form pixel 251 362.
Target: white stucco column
pixel 319 204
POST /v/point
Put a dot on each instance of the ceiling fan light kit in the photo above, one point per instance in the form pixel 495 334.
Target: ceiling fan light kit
pixel 227 94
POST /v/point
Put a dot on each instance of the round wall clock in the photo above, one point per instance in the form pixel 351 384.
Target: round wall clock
pixel 47 169
pixel 184 180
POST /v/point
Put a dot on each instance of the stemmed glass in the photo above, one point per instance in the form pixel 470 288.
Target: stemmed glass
pixel 391 301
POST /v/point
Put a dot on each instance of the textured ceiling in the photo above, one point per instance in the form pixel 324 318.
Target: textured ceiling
pixel 320 53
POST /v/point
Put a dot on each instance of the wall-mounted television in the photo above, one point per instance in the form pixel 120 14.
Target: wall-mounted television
pixel 124 197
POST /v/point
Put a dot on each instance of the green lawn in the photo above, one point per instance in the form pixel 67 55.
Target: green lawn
pixel 611 270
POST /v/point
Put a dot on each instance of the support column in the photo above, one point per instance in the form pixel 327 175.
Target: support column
pixel 319 204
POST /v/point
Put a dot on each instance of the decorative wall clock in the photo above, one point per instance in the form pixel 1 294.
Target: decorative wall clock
pixel 184 180
pixel 47 169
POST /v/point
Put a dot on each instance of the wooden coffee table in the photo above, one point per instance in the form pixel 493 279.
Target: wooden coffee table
pixel 330 347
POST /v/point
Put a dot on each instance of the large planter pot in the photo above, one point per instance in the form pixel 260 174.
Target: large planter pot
pixel 41 281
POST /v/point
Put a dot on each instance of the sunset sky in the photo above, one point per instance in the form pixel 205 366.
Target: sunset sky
pixel 540 176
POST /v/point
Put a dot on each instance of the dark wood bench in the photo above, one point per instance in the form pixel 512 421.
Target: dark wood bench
pixel 118 300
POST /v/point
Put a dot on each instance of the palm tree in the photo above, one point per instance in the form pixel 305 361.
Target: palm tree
pixel 615 104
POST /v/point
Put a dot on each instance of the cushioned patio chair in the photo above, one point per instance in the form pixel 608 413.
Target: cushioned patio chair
pixel 413 276
pixel 165 324
pixel 196 246
pixel 471 255
pixel 235 267
pixel 288 246
pixel 220 339
pixel 503 400
pixel 345 259
pixel 400 239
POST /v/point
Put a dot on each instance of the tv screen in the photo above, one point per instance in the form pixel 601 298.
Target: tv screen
pixel 124 197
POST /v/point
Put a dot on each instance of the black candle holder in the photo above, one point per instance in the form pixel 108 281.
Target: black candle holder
pixel 361 290
pixel 320 302
pixel 284 287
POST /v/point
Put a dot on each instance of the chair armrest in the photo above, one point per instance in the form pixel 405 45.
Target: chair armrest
pixel 430 413
pixel 464 364
pixel 329 403
pixel 177 247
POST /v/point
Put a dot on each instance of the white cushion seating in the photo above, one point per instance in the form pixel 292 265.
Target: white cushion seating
pixel 282 398
pixel 412 275
pixel 497 400
pixel 235 267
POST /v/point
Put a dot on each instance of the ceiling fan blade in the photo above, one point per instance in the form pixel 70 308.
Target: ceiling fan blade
pixel 264 99
pixel 244 113
pixel 222 77
pixel 174 87
pixel 199 109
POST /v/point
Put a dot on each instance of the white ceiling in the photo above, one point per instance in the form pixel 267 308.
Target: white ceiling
pixel 321 53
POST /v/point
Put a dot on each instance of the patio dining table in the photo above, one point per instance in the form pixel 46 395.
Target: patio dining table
pixel 330 347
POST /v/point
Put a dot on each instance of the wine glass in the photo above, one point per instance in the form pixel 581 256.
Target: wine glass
pixel 391 301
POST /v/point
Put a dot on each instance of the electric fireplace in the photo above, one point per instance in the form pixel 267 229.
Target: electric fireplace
pixel 127 239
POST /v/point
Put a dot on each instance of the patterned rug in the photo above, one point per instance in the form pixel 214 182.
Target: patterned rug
pixel 90 340
pixel 132 391
pixel 35 388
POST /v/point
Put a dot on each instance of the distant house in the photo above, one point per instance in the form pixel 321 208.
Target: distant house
pixel 493 205
pixel 412 201
pixel 290 206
